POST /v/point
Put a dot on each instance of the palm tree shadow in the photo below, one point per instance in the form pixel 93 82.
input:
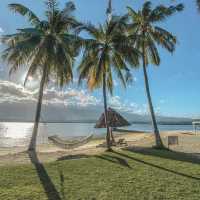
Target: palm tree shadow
pixel 157 166
pixel 115 160
pixel 166 154
pixel 49 187
pixel 62 183
pixel 73 157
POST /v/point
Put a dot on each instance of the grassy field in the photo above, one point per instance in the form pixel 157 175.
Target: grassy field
pixel 129 174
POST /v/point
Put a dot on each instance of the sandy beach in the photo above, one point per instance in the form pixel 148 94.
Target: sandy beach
pixel 188 143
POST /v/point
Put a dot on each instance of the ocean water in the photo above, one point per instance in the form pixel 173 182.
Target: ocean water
pixel 18 134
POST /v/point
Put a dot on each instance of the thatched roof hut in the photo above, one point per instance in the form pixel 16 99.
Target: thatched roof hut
pixel 114 120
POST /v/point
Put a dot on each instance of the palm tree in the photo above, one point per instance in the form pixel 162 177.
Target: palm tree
pixel 46 47
pixel 146 35
pixel 106 51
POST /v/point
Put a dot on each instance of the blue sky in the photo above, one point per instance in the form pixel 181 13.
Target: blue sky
pixel 175 84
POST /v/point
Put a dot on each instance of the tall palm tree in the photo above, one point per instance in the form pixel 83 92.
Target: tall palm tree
pixel 48 46
pixel 146 35
pixel 107 51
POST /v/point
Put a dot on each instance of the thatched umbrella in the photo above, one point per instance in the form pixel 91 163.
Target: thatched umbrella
pixel 114 120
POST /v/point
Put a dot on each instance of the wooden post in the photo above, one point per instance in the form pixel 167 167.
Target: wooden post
pixel 195 129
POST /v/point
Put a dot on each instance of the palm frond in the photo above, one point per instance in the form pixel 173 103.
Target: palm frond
pixel 52 5
pixel 68 10
pixel 152 52
pixel 161 12
pixel 108 49
pixel 132 13
pixel 24 11
pixel 52 43
pixel 93 31
pixel 164 38
pixel 144 32
pixel 146 10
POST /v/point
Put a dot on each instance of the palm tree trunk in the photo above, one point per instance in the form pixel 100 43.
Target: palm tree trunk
pixel 106 113
pixel 112 136
pixel 158 140
pixel 32 145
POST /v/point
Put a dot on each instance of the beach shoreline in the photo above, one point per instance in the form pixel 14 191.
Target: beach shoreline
pixel 188 143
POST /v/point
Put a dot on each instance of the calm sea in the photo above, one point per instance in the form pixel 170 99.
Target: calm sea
pixel 18 134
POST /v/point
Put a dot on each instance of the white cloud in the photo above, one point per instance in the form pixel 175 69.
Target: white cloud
pixel 11 92
pixel 162 101
pixel 14 93
pixel 135 79
pixel 1 30
pixel 115 101
pixel 15 98
pixel 116 83
pixel 126 106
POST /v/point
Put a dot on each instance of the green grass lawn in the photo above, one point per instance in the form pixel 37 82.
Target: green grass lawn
pixel 147 174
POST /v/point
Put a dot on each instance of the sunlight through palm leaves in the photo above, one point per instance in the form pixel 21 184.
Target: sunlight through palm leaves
pixel 48 46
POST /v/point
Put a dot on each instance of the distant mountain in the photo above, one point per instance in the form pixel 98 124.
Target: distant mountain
pixel 135 118
pixel 51 113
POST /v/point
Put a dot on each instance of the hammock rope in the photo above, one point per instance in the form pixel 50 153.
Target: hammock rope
pixel 65 144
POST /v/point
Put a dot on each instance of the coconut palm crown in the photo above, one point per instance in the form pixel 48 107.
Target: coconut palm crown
pixel 106 51
pixel 48 46
pixel 146 35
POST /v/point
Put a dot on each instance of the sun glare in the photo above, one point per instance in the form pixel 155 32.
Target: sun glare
pixel 17 130
pixel 31 83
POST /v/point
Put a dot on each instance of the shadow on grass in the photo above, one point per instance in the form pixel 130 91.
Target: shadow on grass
pixel 115 160
pixel 73 157
pixel 167 154
pixel 156 166
pixel 45 180
pixel 62 185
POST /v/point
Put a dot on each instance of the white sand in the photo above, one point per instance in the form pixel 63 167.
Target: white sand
pixel 188 143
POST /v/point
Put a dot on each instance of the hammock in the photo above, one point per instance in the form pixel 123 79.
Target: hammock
pixel 64 144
